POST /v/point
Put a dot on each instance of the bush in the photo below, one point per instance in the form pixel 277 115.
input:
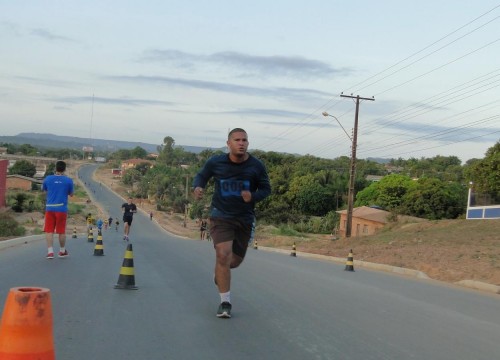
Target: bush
pixel 9 226
pixel 74 209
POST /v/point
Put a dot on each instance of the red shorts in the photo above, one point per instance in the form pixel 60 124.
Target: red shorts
pixel 55 222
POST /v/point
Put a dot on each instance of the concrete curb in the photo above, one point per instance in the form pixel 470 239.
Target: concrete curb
pixel 471 284
pixel 478 285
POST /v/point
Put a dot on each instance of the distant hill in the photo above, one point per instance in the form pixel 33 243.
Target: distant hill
pixel 71 142
pixel 378 160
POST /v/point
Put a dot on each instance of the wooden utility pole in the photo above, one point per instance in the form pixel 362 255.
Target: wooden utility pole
pixel 352 175
pixel 186 204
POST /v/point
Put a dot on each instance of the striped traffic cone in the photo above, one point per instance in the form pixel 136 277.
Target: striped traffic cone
pixel 26 328
pixel 349 265
pixel 294 250
pixel 74 233
pixel 90 237
pixel 99 247
pixel 255 245
pixel 126 280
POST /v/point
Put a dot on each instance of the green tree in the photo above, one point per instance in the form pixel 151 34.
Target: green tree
pixel 314 199
pixel 138 152
pixel 387 193
pixel 485 173
pixel 166 151
pixel 434 199
pixel 51 170
pixel 122 154
pixel 28 149
pixel 131 176
pixel 24 168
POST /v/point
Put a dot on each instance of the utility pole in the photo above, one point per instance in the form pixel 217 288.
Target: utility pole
pixel 352 175
pixel 186 204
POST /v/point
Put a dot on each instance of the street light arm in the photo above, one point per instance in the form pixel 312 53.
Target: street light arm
pixel 326 114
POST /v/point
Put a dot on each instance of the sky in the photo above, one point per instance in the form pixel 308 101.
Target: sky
pixel 193 70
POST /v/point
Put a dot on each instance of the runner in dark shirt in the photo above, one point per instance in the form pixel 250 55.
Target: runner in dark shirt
pixel 241 181
pixel 129 209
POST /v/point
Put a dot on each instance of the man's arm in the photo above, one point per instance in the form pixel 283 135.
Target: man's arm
pixel 263 187
pixel 201 179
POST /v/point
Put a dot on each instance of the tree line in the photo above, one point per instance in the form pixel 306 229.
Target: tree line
pixel 307 191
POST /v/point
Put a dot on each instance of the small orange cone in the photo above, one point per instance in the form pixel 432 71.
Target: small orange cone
pixel 74 233
pixel 26 328
pixel 126 280
pixel 294 251
pixel 255 246
pixel 99 247
pixel 349 265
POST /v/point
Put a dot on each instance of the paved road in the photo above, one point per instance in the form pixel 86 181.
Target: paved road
pixel 284 307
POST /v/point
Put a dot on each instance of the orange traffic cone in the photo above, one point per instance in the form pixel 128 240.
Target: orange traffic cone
pixel 126 280
pixel 74 233
pixel 294 250
pixel 255 246
pixel 99 247
pixel 26 327
pixel 349 265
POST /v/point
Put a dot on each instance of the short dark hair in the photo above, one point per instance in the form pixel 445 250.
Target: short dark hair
pixel 235 130
pixel 60 166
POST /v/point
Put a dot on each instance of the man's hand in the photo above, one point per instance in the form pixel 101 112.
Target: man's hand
pixel 198 192
pixel 246 195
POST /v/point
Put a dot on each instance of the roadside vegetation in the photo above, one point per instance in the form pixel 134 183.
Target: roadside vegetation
pixel 307 192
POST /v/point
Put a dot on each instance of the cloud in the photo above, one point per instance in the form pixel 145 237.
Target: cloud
pixel 294 94
pixel 47 35
pixel 110 101
pixel 249 65
pixel 45 82
pixel 268 112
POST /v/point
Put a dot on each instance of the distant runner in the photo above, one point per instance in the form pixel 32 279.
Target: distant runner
pixel 129 209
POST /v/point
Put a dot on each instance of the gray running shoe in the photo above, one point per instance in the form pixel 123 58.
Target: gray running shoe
pixel 224 310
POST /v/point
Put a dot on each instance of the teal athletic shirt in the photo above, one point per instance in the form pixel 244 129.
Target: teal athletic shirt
pixel 58 188
pixel 230 179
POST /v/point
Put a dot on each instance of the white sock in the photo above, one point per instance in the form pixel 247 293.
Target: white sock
pixel 225 297
pixel 62 249
pixel 50 250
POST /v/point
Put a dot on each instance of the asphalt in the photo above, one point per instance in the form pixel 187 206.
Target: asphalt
pixel 472 284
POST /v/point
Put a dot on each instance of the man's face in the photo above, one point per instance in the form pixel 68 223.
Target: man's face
pixel 238 143
pixel 129 200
